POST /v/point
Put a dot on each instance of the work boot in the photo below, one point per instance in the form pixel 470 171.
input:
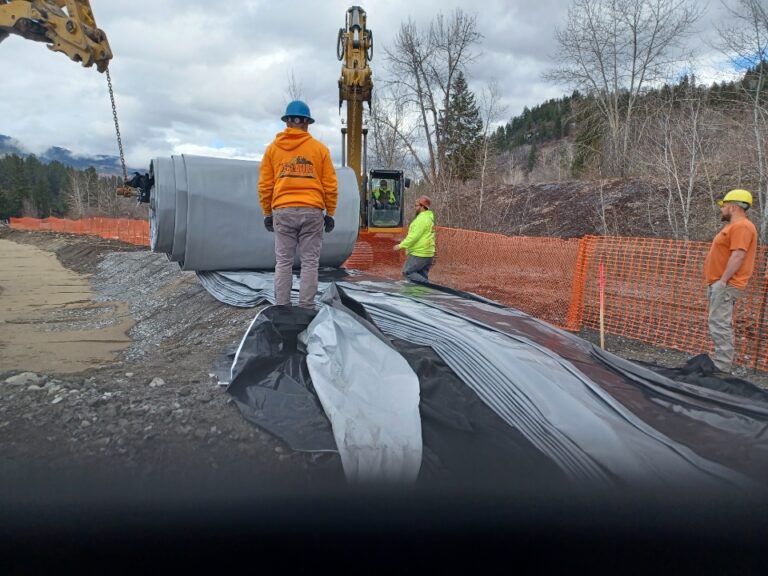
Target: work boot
pixel 740 372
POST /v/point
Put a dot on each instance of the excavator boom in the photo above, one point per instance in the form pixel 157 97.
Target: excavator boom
pixel 354 47
pixel 66 26
pixel 382 191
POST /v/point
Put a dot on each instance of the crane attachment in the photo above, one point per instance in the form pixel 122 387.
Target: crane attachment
pixel 66 26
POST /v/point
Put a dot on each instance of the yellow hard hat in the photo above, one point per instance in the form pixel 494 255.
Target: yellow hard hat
pixel 737 196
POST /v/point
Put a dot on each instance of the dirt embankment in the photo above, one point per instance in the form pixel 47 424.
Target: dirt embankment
pixel 107 365
pixel 571 209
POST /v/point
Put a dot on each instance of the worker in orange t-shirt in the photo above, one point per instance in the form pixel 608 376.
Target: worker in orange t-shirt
pixel 727 270
pixel 297 183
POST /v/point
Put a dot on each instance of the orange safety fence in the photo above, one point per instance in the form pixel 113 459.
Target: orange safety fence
pixel 534 275
pixel 123 229
pixel 654 291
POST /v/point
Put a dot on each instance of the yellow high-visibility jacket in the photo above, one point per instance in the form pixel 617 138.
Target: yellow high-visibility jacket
pixel 420 240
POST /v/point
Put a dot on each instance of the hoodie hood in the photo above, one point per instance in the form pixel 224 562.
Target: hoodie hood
pixel 291 138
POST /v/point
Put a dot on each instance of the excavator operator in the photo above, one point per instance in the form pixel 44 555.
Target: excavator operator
pixel 384 196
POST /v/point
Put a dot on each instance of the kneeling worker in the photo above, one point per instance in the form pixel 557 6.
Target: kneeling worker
pixel 419 244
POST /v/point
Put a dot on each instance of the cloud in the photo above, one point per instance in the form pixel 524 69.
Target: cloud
pixel 189 73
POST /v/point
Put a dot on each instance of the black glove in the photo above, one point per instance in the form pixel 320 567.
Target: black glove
pixel 268 224
pixel 329 223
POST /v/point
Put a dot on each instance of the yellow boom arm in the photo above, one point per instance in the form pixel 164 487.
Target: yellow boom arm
pixel 66 26
pixel 355 48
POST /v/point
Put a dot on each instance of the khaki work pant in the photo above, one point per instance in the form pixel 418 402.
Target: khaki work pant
pixel 300 228
pixel 721 303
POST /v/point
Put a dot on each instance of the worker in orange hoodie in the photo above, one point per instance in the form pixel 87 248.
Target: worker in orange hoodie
pixel 297 183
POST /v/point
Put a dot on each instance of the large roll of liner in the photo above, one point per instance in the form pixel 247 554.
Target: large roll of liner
pixel 205 215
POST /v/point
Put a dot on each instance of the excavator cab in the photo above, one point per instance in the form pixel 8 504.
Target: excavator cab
pixel 385 192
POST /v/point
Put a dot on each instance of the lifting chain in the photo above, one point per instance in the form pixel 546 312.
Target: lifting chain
pixel 123 190
pixel 117 126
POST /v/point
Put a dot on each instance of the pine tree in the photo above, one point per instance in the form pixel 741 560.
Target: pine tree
pixel 461 127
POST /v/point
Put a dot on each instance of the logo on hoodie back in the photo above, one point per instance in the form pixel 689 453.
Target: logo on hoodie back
pixel 297 167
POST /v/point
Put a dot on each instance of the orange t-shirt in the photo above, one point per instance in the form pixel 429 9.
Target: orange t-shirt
pixel 741 235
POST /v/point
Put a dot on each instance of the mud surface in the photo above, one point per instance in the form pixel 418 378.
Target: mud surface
pixel 49 320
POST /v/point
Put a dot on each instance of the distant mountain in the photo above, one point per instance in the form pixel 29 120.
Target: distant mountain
pixel 104 164
pixel 9 146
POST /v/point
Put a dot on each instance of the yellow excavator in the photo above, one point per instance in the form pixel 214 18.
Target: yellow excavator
pixel 66 26
pixel 382 191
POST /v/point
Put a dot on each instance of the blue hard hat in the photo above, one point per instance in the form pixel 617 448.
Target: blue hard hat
pixel 297 108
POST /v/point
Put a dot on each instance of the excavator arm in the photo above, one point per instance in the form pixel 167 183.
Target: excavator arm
pixel 354 47
pixel 66 26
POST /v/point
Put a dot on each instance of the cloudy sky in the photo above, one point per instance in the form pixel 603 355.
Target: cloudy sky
pixel 211 78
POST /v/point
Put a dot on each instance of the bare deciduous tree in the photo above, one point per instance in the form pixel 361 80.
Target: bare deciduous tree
pixel 612 50
pixel 89 194
pixel 675 149
pixel 392 136
pixel 746 42
pixel 294 90
pixel 425 64
pixel 491 111
pixel 77 194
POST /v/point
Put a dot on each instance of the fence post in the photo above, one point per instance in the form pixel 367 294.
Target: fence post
pixel 573 320
pixel 760 353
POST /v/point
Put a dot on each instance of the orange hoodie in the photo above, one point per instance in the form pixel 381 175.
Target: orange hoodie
pixel 297 171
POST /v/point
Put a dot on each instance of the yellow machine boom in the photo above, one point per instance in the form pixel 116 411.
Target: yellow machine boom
pixel 355 49
pixel 66 26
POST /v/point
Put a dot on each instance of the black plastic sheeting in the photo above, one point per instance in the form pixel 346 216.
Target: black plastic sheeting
pixel 271 382
pixel 701 371
pixel 464 438
pixel 717 422
pixel 464 441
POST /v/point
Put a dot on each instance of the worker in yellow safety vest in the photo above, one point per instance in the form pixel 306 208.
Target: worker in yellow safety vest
pixel 419 244
pixel 383 195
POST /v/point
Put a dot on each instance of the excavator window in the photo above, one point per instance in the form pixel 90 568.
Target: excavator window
pixel 385 203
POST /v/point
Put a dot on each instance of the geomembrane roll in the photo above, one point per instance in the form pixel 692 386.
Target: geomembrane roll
pixel 205 214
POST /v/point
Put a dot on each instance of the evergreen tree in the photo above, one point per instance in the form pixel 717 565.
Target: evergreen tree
pixel 29 187
pixel 461 127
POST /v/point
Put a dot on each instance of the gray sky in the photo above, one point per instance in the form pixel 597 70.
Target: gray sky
pixel 211 78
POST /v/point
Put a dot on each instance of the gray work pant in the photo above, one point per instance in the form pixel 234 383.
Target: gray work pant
pixel 416 268
pixel 300 228
pixel 721 303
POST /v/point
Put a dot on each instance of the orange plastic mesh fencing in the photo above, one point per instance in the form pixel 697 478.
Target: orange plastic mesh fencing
pixel 655 292
pixel 123 229
pixel 534 275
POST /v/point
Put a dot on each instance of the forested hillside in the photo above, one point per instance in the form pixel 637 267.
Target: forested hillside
pixel 29 187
